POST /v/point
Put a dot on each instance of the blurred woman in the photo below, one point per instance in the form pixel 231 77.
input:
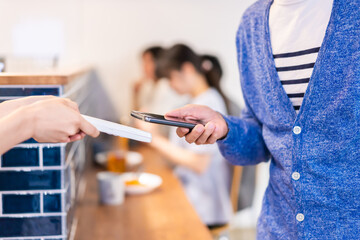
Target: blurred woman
pixel 151 93
pixel 203 172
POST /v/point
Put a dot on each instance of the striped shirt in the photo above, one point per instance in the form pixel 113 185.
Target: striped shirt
pixel 297 29
pixel 294 70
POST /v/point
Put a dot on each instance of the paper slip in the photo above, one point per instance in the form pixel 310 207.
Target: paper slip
pixel 119 130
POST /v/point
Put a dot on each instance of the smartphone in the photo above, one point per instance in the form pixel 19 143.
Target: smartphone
pixel 160 119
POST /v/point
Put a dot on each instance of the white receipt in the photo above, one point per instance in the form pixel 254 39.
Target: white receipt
pixel 119 130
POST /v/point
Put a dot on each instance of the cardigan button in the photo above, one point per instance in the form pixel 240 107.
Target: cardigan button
pixel 297 130
pixel 300 217
pixel 295 175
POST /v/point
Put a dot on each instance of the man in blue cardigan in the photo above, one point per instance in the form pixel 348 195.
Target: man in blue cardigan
pixel 300 76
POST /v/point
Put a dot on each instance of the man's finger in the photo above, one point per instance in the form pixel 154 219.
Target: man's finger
pixel 213 138
pixel 209 129
pixel 181 132
pixel 195 133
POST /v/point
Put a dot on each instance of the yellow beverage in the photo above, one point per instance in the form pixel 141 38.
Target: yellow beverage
pixel 116 161
pixel 123 144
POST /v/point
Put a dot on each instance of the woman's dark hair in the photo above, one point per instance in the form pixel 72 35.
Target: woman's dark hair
pixel 155 51
pixel 207 65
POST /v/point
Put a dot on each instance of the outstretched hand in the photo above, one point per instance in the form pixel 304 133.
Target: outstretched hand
pixel 214 128
pixel 59 120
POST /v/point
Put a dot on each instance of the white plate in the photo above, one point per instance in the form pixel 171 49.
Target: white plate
pixel 148 181
pixel 133 159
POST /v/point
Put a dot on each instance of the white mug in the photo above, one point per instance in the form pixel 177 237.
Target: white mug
pixel 111 188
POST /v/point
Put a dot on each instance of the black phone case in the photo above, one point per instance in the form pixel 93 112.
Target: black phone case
pixel 170 123
pixel 148 118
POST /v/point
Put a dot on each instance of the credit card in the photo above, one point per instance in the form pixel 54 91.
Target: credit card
pixel 119 129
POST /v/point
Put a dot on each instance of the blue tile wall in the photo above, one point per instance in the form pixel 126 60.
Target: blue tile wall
pixel 31 140
pixel 52 203
pixel 26 239
pixel 21 157
pixel 33 180
pixel 16 203
pixel 36 201
pixel 51 156
pixel 21 92
pixel 30 226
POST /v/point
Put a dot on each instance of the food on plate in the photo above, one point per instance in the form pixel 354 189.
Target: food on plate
pixel 134 182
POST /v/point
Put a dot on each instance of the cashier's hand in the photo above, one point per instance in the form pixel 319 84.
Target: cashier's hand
pixel 215 125
pixel 58 120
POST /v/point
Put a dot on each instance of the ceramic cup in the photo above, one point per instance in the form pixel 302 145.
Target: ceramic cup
pixel 111 188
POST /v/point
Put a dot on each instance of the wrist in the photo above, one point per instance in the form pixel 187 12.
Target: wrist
pixel 226 127
pixel 27 119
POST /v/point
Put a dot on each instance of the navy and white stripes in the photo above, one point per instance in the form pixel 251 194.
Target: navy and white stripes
pixel 294 70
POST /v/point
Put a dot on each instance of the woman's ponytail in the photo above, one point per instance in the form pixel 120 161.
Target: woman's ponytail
pixel 212 71
pixel 174 58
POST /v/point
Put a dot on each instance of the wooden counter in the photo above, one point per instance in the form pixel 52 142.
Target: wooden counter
pixel 56 77
pixel 165 214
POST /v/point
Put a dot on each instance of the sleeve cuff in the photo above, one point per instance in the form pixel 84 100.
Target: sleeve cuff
pixel 229 138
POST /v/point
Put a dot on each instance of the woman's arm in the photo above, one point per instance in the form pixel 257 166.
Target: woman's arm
pixel 180 156
pixel 51 120
pixel 14 128
pixel 11 105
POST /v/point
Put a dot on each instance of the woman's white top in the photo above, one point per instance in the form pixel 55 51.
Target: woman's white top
pixel 209 192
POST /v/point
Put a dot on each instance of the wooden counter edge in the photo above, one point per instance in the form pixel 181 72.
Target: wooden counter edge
pixel 50 78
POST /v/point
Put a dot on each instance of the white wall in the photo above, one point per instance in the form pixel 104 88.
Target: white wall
pixel 111 34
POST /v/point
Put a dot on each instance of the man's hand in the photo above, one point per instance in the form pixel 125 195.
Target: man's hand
pixel 215 125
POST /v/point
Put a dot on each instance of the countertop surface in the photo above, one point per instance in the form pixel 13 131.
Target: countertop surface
pixel 162 214
pixel 51 77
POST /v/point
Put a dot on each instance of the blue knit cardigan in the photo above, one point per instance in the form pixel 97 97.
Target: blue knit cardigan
pixel 314 187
